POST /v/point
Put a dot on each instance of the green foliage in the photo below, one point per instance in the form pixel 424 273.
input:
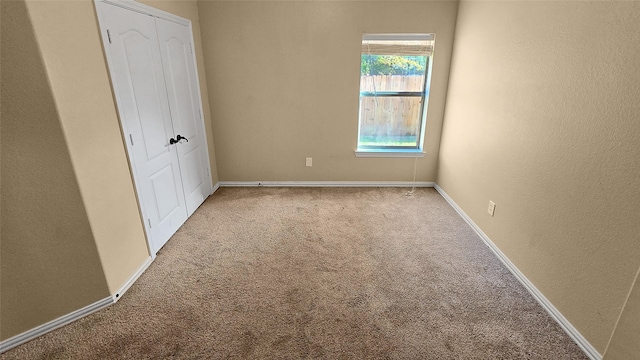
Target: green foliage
pixel 392 65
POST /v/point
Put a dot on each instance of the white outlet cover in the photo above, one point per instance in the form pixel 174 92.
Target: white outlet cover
pixel 492 208
pixel 309 161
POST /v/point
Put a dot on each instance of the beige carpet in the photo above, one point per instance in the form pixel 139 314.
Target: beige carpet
pixel 297 273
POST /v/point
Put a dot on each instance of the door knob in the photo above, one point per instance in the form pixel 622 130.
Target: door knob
pixel 180 137
pixel 177 139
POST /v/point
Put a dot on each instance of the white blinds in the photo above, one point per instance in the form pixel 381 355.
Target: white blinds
pixel 398 44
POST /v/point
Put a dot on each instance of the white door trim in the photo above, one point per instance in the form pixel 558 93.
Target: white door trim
pixel 143 9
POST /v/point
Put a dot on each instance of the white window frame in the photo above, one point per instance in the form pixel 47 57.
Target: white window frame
pixel 396 152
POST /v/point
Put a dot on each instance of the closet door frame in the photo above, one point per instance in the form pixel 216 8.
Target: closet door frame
pixel 156 13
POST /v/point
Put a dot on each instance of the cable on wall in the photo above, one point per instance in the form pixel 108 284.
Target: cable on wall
pixel 415 168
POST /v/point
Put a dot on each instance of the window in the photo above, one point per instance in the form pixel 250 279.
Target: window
pixel 394 89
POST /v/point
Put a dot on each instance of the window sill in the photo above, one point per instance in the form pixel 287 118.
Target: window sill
pixel 390 153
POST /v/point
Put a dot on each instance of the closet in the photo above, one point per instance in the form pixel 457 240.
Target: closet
pixel 155 82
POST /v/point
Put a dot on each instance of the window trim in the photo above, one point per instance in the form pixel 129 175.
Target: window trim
pixel 389 151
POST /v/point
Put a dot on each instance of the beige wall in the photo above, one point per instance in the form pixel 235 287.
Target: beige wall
pixel 64 165
pixel 542 118
pixel 68 36
pixel 283 81
pixel 625 343
pixel 188 9
pixel 50 265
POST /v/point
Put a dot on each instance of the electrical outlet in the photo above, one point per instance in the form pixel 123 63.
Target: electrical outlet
pixel 309 161
pixel 492 208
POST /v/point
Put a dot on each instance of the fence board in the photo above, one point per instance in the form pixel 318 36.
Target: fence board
pixel 382 116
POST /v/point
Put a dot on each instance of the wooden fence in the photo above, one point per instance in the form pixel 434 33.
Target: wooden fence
pixel 391 83
pixel 387 116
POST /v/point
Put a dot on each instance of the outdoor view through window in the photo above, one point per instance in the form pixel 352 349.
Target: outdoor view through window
pixel 394 72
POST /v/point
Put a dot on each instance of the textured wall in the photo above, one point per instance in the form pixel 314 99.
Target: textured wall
pixel 283 81
pixel 71 230
pixel 50 264
pixel 542 118
pixel 625 343
pixel 68 36
pixel 188 9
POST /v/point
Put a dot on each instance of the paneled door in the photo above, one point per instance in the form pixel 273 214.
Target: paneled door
pixel 184 103
pixel 155 83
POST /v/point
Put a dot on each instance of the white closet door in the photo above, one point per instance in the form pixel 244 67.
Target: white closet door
pixel 137 74
pixel 184 102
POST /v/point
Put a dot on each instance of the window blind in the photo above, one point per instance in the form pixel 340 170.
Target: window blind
pixel 398 44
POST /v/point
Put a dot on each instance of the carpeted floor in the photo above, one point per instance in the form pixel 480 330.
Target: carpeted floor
pixel 327 273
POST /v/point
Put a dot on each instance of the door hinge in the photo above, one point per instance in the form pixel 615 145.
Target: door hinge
pixel 149 221
pixel 109 36
pixel 191 48
pixel 200 112
pixel 131 138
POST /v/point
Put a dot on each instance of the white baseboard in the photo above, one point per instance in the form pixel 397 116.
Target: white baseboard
pixel 580 340
pixel 215 187
pixel 132 279
pixel 73 316
pixel 54 324
pixel 326 183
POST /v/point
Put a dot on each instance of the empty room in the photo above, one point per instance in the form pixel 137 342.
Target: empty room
pixel 203 179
